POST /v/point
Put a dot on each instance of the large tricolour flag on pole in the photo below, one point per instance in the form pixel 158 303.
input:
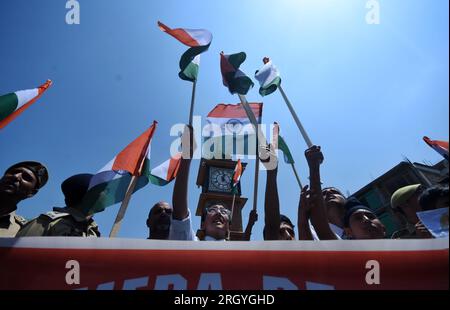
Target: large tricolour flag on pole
pixel 198 40
pixel 231 132
pixel 439 146
pixel 110 184
pixel 12 105
pixel 166 172
pixel 268 77
pixel 233 78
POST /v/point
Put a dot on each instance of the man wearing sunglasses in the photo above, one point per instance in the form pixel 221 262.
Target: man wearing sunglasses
pixel 216 223
pixel 158 221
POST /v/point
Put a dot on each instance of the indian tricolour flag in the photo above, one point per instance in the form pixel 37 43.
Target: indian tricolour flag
pixel 198 40
pixel 233 78
pixel 230 131
pixel 110 184
pixel 166 172
pixel 268 77
pixel 12 105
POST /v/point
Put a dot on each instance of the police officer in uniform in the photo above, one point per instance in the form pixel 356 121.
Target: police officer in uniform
pixel 21 181
pixel 71 220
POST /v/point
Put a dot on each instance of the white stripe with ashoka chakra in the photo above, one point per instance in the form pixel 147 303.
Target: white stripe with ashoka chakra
pixel 267 74
pixel 203 37
pixel 162 170
pixel 228 126
pixel 196 60
pixel 25 96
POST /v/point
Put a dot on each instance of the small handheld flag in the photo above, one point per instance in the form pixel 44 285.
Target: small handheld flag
pixel 233 78
pixel 14 104
pixel 439 146
pixel 268 77
pixel 198 40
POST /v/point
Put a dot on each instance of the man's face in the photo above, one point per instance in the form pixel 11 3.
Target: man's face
pixel 286 232
pixel 160 217
pixel 333 197
pixel 217 222
pixel 20 183
pixel 365 225
pixel 411 207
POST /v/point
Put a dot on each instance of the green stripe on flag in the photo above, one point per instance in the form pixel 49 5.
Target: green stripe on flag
pixel 272 87
pixel 8 104
pixel 189 69
pixel 157 181
pixel 288 159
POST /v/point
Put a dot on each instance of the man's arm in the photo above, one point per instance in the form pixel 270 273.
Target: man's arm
pixel 272 206
pixel 252 219
pixel 304 211
pixel 319 216
pixel 180 191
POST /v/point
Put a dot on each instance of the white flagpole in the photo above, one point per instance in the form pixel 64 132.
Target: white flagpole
pixel 254 122
pixel 296 119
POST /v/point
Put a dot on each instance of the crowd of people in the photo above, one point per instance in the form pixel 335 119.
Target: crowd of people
pixel 323 213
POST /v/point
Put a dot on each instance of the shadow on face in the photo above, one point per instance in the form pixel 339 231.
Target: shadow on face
pixel 159 218
pixel 286 232
pixel 19 183
pixel 364 224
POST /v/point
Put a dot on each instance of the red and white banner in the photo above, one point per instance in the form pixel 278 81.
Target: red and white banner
pixel 94 264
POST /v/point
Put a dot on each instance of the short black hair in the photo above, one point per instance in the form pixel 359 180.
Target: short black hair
pixel 351 207
pixel 429 197
pixel 333 188
pixel 283 219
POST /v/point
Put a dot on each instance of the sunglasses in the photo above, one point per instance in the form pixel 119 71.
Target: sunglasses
pixel 215 210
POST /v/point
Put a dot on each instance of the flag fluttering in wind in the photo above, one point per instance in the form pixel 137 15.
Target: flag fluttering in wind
pixel 166 172
pixel 198 40
pixel 288 159
pixel 237 176
pixel 268 77
pixel 439 146
pixel 12 105
pixel 233 78
pixel 109 186
pixel 229 126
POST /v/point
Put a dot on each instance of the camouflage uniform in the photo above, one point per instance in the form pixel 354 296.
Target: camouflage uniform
pixel 10 224
pixel 60 222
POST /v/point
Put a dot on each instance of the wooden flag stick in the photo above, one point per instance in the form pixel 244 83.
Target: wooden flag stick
pixel 123 208
pixel 191 112
pixel 232 207
pixel 296 176
pixel 254 122
pixel 296 119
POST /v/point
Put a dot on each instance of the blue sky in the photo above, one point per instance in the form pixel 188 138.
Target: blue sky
pixel 366 93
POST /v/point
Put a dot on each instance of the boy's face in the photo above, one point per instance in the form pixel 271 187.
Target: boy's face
pixel 365 225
